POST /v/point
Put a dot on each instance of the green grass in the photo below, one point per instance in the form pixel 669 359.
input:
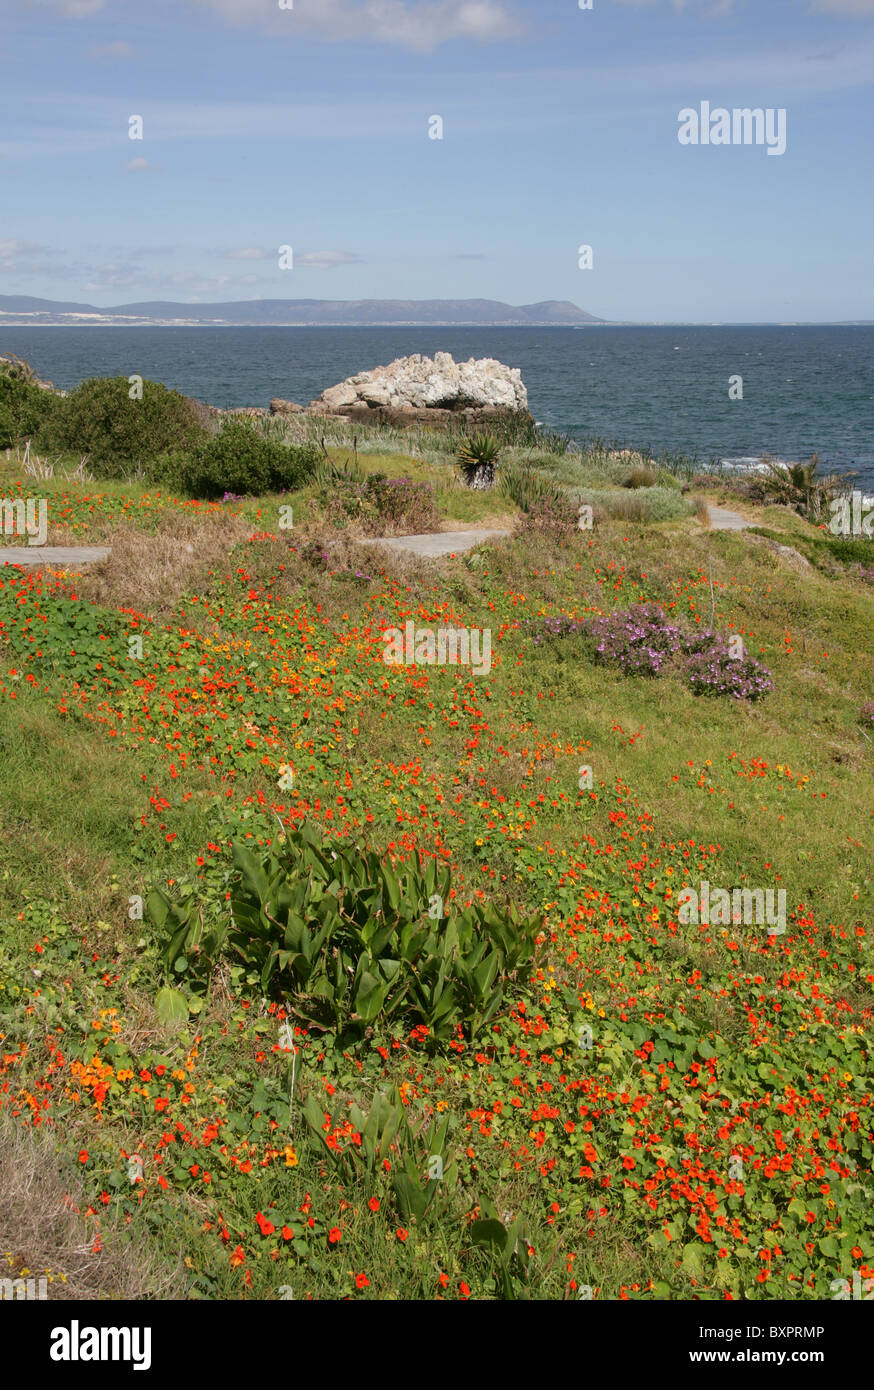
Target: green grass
pixel 71 809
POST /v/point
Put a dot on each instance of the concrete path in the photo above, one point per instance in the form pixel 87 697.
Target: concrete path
pixel 436 543
pixel 721 519
pixel 58 556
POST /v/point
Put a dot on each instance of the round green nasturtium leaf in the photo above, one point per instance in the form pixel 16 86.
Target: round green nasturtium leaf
pixel 171 1006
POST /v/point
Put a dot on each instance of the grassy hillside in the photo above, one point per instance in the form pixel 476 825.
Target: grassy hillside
pixel 656 1108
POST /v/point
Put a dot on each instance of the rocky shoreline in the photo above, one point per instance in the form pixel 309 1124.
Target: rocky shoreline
pixel 412 390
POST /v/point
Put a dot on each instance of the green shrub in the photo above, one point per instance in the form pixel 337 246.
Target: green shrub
pixel 663 504
pixel 119 434
pixel 526 487
pixel 344 939
pixel 8 427
pixel 243 460
pixel 170 470
pixel 386 1134
pixel 25 407
pixel 644 504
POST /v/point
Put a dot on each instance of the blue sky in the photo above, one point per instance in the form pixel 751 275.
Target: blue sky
pixel 308 127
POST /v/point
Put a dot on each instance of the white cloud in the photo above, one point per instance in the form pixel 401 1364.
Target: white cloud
pixel 113 276
pixel 422 24
pixel 417 24
pixel 11 247
pixel 111 50
pixel 137 165
pixel 326 260
pixel 303 260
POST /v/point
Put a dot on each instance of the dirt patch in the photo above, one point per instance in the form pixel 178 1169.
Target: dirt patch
pixel 43 1230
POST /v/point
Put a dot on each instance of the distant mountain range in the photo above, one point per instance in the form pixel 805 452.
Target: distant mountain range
pixel 22 310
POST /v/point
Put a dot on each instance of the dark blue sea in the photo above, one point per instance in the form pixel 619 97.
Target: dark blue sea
pixel 806 390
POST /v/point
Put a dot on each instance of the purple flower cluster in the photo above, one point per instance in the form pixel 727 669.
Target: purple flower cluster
pixel 642 642
pixel 715 671
pixel 866 713
pixel 639 640
pixel 352 575
pixel 549 629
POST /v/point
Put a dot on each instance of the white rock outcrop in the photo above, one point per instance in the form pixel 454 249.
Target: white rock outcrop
pixel 420 384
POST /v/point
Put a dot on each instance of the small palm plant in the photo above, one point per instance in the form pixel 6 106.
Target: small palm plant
pixel 797 485
pixel 478 456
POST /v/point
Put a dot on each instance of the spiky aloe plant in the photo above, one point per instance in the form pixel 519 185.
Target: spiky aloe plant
pixel 478 455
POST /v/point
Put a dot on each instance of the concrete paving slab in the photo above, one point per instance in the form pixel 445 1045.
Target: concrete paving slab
pixel 722 519
pixel 433 544
pixel 62 557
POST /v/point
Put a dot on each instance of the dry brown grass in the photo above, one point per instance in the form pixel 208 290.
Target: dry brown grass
pixel 151 572
pixel 641 477
pixel 44 1232
pixel 626 508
